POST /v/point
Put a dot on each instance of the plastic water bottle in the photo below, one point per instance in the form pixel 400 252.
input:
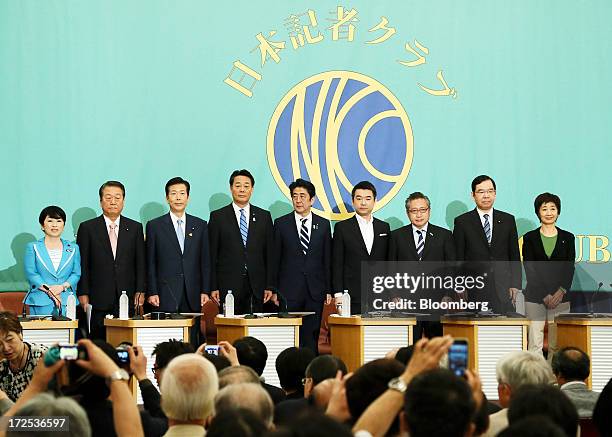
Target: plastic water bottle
pixel 229 304
pixel 71 306
pixel 346 304
pixel 124 306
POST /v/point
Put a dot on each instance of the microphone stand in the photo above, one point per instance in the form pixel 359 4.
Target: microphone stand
pixel 58 304
pixel 24 317
pixel 592 313
pixel 251 315
pixel 282 313
pixel 138 309
pixel 175 315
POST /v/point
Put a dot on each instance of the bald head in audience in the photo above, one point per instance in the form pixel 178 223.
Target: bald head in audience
pixel 247 396
pixel 237 375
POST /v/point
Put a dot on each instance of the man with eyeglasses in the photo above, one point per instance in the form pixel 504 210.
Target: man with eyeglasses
pixel 488 234
pixel 422 241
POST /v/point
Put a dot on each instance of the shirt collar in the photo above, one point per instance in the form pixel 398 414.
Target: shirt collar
pixel 108 221
pixel 567 384
pixel 175 218
pixel 424 228
pixel 299 218
pixel 364 222
pixel 246 209
pixel 481 213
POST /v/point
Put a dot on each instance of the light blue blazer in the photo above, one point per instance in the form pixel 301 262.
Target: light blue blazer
pixel 39 270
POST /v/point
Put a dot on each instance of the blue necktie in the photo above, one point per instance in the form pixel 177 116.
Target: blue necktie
pixel 244 231
pixel 180 234
pixel 420 244
pixel 304 238
pixel 487 228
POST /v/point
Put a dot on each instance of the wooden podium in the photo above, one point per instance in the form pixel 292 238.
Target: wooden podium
pixel 358 340
pixel 49 332
pixel 276 333
pixel 488 340
pixel 146 334
pixel 593 336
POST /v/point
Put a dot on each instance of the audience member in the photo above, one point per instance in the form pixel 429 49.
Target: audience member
pixel 544 400
pixel 237 375
pixel 514 370
pixel 247 396
pixel 533 426
pixel 571 367
pixel 601 412
pixel 236 422
pixel 321 368
pixel 313 424
pixel 44 405
pixel 252 352
pixel 438 403
pixel 188 390
pixel 19 358
pixel 291 368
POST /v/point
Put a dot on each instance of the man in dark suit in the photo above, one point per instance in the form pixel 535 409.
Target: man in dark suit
pixel 489 235
pixel 357 239
pixel 178 258
pixel 112 259
pixel 241 248
pixel 302 242
pixel 422 241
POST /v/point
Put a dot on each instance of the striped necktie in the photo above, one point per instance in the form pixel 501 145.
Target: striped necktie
pixel 420 244
pixel 487 228
pixel 244 231
pixel 304 238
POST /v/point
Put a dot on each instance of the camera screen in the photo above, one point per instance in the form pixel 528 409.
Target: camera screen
pixel 124 357
pixel 458 358
pixel 212 349
pixel 69 352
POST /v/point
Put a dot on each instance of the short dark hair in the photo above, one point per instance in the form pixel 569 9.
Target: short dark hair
pixel 9 322
pixel 115 184
pixel 368 382
pixel 176 181
pixel 364 185
pixel 571 363
pixel 291 367
pixel 546 400
pixel 251 352
pixel 438 403
pixel 54 212
pixel 480 179
pixel 312 423
pixel 324 367
pixel 546 198
pixel 167 350
pixel 236 421
pixel 417 195
pixel 242 172
pixel 302 183
pixel 219 361
pixel 533 426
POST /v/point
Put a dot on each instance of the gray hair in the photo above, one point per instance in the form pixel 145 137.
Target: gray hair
pixel 518 368
pixel 417 195
pixel 250 396
pixel 188 388
pixel 237 375
pixel 46 404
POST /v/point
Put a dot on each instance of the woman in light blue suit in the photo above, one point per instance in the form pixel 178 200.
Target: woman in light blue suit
pixel 52 265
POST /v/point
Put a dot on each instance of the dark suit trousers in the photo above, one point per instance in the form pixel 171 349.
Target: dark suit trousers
pixel 309 331
pixel 246 299
pixel 195 333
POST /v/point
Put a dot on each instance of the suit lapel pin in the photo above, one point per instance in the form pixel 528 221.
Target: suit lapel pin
pixel 253 218
pixel 431 234
pixel 68 250
pixel 315 226
pixel 191 234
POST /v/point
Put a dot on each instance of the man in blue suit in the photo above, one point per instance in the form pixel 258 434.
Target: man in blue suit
pixel 178 262
pixel 303 252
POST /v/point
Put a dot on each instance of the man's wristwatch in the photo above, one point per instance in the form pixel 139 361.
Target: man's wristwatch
pixel 117 375
pixel 398 384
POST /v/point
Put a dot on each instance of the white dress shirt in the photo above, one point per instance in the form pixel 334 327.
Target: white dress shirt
pixel 108 223
pixel 298 223
pixel 481 213
pixel 415 235
pixel 367 231
pixel 175 220
pixel 247 210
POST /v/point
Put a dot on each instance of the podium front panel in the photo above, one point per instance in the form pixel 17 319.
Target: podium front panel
pixel 601 356
pixel 378 340
pixel 48 337
pixel 276 339
pixel 493 342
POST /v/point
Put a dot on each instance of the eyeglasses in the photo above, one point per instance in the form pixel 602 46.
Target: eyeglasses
pixel 418 211
pixel 304 380
pixel 483 192
pixel 155 370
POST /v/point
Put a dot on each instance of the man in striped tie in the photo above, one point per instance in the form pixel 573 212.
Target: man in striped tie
pixel 241 248
pixel 489 235
pixel 302 242
pixel 421 241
